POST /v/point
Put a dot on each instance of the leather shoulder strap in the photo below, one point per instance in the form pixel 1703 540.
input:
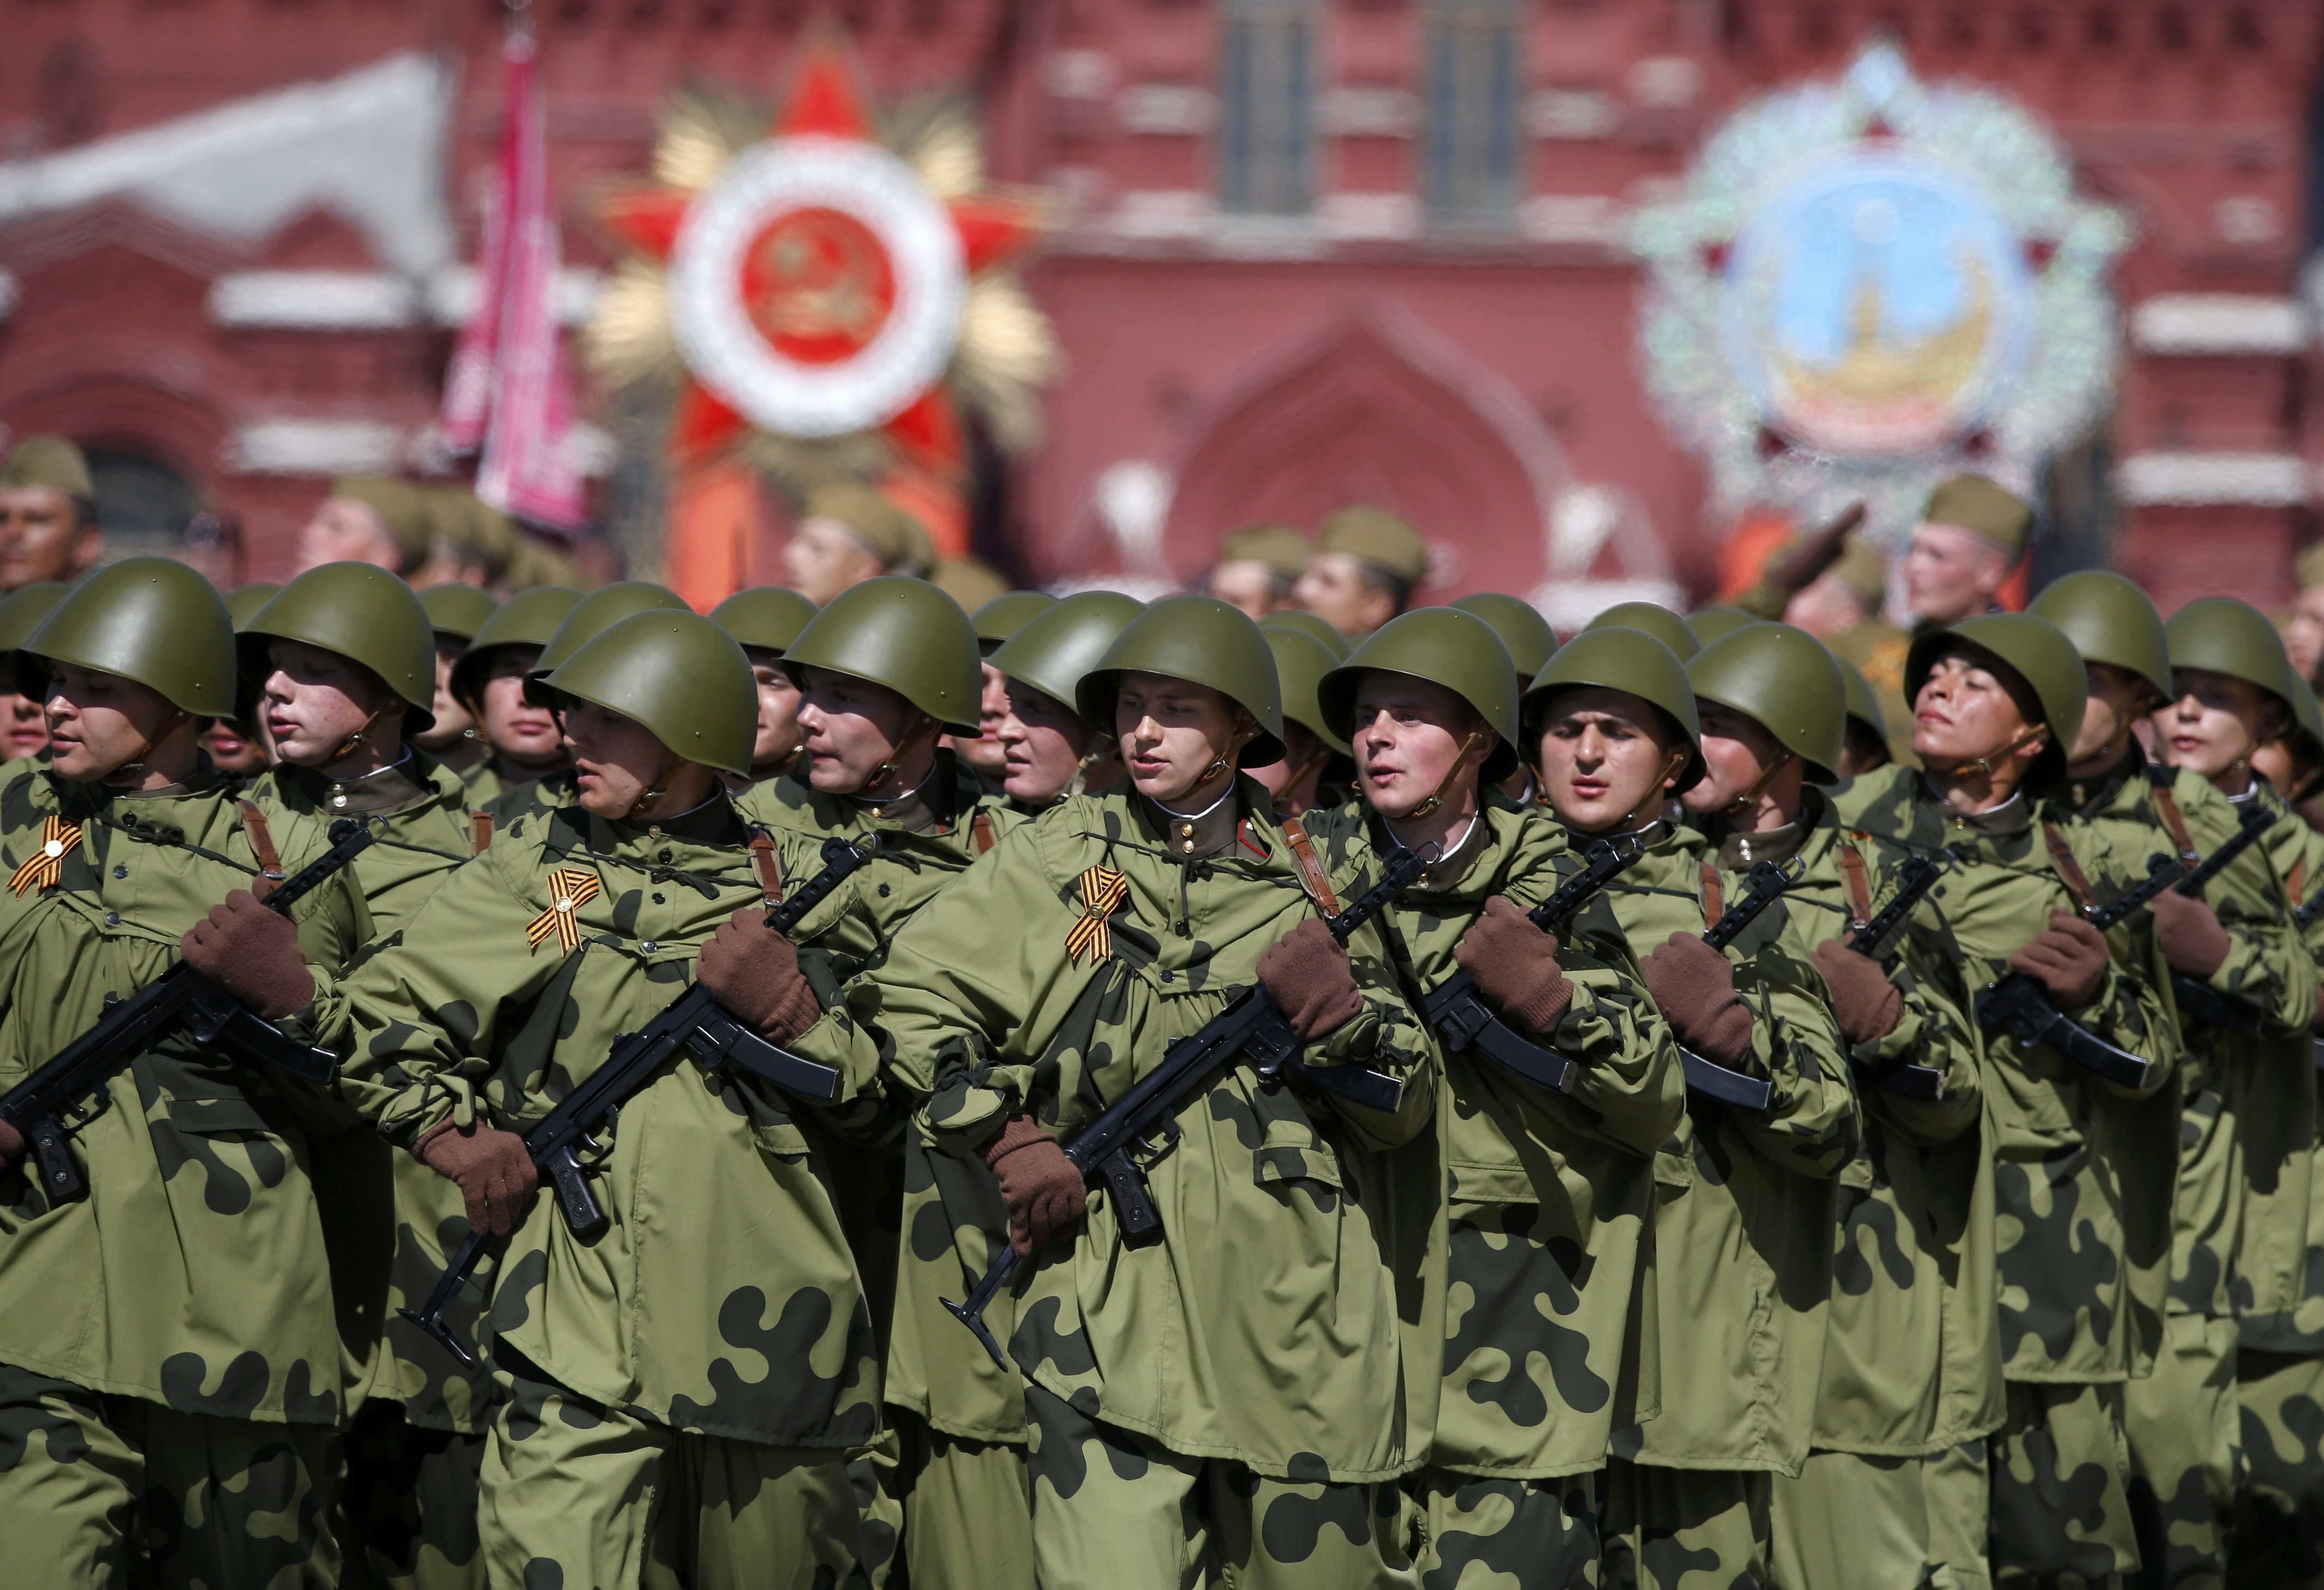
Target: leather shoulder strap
pixel 980 834
pixel 1857 881
pixel 2296 885
pixel 261 840
pixel 2070 869
pixel 768 865
pixel 1310 870
pixel 1714 894
pixel 2173 824
pixel 480 832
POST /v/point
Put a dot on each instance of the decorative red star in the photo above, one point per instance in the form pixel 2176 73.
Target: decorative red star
pixel 824 100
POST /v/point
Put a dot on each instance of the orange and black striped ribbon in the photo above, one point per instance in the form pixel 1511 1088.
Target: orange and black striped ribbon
pixel 59 839
pixel 1102 891
pixel 569 889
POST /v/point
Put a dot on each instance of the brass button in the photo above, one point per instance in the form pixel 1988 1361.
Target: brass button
pixel 1187 845
pixel 650 947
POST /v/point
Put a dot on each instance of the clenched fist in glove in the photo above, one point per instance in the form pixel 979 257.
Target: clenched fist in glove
pixel 1044 1192
pixel 1694 986
pixel 754 972
pixel 252 954
pixel 2069 956
pixel 1307 972
pixel 489 1166
pixel 1866 1003
pixel 1516 966
pixel 2191 936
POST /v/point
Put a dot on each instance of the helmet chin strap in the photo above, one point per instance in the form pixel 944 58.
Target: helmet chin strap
pixel 135 766
pixel 1743 804
pixel 1985 764
pixel 1436 797
pixel 896 754
pixel 1671 770
pixel 657 787
pixel 348 746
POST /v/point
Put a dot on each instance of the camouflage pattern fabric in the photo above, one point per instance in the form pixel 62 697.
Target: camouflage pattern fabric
pixel 2279 1514
pixel 1482 1533
pixel 579 1495
pixel 1687 1529
pixel 1959 1486
pixel 2183 1424
pixel 2081 1174
pixel 1541 1354
pixel 1308 1373
pixel 1851 1518
pixel 411 1502
pixel 1113 1508
pixel 1743 1225
pixel 967 1507
pixel 103 1492
pixel 2061 1517
pixel 197 1274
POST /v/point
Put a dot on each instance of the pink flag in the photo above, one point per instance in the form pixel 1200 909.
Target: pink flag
pixel 509 389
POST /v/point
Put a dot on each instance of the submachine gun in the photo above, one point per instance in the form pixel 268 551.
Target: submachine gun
pixel 1766 885
pixel 2197 998
pixel 1873 938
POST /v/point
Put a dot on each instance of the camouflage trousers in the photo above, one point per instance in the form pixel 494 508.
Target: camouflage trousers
pixel 1114 1508
pixel 968 1512
pixel 411 1502
pixel 1541 1534
pixel 579 1496
pixel 2279 1539
pixel 1959 1482
pixel 1687 1529
pixel 109 1490
pixel 1853 1518
pixel 2183 1422
pixel 2061 1490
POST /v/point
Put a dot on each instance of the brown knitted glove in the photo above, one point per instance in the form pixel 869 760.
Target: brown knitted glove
pixel 1044 1192
pixel 1798 565
pixel 1865 1002
pixel 1516 966
pixel 1307 972
pixel 2069 957
pixel 489 1166
pixel 11 1145
pixel 1694 986
pixel 2191 936
pixel 252 954
pixel 754 972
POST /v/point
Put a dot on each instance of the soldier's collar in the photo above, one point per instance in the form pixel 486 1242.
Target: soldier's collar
pixel 921 810
pixel 1447 870
pixel 393 787
pixel 2012 816
pixel 714 822
pixel 2092 793
pixel 1198 835
pixel 1739 852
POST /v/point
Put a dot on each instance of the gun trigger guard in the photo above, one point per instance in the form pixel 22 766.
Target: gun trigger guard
pixel 1148 1151
pixel 588 1153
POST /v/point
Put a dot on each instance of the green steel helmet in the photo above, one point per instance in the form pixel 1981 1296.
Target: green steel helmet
pixel 1782 680
pixel 1055 647
pixel 2235 638
pixel 1312 627
pixel 362 613
pixel 1301 661
pixel 1631 660
pixel 1863 705
pixel 1005 614
pixel 1707 625
pixel 680 676
pixel 2109 620
pixel 767 617
pixel 1446 646
pixel 243 602
pixel 1205 642
pixel 151 620
pixel 598 612
pixel 906 635
pixel 457 610
pixel 21 610
pixel 526 619
pixel 2034 649
pixel 1519 623
pixel 1649 618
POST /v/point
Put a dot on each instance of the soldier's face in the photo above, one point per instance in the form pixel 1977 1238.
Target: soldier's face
pixel 1300 745
pixel 823 558
pixel 1412 740
pixel 617 764
pixel 317 702
pixel 41 536
pixel 520 730
pixel 2117 698
pixel 231 751
pixel 983 753
pixel 453 718
pixel 1336 589
pixel 1041 742
pixel 24 724
pixel 2303 637
pixel 778 738
pixel 99 722
pixel 345 531
pixel 1246 585
pixel 1174 734
pixel 1606 759
pixel 850 728
pixel 2214 724
pixel 1966 712
pixel 1739 756
pixel 1950 573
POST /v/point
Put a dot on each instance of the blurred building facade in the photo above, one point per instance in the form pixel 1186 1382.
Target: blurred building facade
pixel 1308 251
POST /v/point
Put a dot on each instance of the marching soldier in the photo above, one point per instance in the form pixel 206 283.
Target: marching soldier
pixel 1548 1192
pixel 1971 535
pixel 765 620
pixel 2082 1162
pixel 1257 567
pixel 1313 769
pixel 1312 627
pixel 1049 750
pixel 848 534
pixel 1649 619
pixel 24 719
pixel 1743 1222
pixel 457 612
pixel 49 531
pixel 1531 643
pixel 489 679
pixel 168 1349
pixel 237 746
pixel 994 622
pixel 1134 917
pixel 1866 748
pixel 1367 564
